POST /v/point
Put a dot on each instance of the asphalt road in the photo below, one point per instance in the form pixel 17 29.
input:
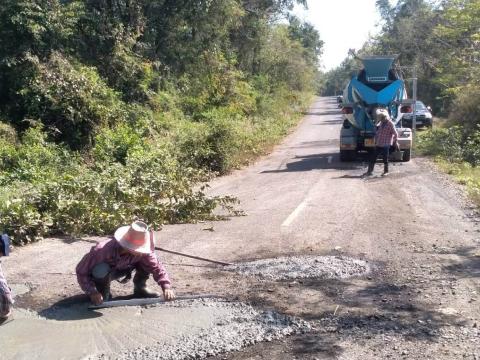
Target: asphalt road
pixel 414 227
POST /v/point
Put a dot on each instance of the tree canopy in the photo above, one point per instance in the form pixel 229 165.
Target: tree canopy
pixel 115 109
pixel 440 38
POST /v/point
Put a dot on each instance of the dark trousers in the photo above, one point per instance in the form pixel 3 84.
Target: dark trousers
pixel 373 154
pixel 103 275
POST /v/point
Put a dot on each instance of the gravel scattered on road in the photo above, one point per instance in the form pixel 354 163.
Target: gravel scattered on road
pixel 303 267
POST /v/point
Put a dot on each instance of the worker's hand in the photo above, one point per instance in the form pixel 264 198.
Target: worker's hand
pixel 397 146
pixel 168 295
pixel 96 298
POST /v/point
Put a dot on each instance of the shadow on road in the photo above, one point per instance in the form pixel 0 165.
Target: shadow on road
pixel 312 343
pixel 469 266
pixel 330 122
pixel 316 144
pixel 364 309
pixel 72 239
pixel 323 113
pixel 361 176
pixel 317 162
pixel 71 308
pixel 380 308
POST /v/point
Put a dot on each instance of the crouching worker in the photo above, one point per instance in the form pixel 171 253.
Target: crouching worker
pixel 6 300
pixel 131 249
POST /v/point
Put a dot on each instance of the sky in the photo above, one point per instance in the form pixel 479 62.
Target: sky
pixel 342 24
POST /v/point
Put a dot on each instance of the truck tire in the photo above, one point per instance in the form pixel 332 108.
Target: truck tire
pixel 348 155
pixel 406 155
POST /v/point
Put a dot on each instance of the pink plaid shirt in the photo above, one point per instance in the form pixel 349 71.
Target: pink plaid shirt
pixel 6 300
pixel 386 134
pixel 109 252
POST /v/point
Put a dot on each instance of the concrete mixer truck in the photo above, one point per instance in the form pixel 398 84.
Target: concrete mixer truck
pixel 377 85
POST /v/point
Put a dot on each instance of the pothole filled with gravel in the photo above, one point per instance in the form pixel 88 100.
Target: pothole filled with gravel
pixel 303 267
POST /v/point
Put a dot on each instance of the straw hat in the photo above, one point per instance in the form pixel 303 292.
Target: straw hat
pixel 382 113
pixel 135 237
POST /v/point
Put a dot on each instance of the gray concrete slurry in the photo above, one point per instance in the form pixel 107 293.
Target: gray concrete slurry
pixel 172 331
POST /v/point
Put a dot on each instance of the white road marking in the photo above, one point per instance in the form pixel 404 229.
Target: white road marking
pixel 330 158
pixel 295 213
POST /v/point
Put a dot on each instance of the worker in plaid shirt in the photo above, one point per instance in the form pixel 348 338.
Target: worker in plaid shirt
pixel 385 136
pixel 6 300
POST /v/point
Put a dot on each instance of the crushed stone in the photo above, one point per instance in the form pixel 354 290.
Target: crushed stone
pixel 303 267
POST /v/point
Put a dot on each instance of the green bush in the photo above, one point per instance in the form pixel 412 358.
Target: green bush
pixel 217 84
pixel 20 213
pixel 114 145
pixel 444 142
pixel 34 160
pixel 145 166
pixel 8 133
pixel 134 77
pixel 223 139
pixel 72 101
pixel 151 185
pixel 465 110
pixel 112 111
pixel 455 144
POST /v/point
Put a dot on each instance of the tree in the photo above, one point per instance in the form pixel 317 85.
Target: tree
pixel 29 32
pixel 309 37
pixel 459 37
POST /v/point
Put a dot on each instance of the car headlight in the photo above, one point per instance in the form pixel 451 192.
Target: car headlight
pixel 428 116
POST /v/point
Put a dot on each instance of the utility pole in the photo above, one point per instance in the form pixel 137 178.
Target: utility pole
pixel 414 79
pixel 414 107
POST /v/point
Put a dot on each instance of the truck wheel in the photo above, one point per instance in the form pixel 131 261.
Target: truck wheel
pixel 406 155
pixel 348 155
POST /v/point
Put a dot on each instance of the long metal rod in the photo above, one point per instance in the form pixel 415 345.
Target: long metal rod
pixel 193 257
pixel 146 301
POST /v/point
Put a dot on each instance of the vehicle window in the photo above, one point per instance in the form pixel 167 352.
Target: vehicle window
pixel 420 105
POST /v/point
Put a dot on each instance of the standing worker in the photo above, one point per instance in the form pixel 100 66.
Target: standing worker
pixel 131 249
pixel 385 136
pixel 6 299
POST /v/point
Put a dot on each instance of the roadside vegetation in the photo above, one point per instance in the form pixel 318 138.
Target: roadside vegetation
pixel 442 39
pixel 111 110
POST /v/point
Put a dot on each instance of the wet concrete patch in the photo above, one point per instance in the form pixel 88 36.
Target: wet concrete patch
pixel 303 267
pixel 19 289
pixel 179 330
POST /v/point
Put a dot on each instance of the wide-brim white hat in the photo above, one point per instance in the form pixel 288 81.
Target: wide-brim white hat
pixel 382 113
pixel 136 237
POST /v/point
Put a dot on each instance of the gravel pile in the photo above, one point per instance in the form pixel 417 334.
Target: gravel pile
pixel 241 326
pixel 303 267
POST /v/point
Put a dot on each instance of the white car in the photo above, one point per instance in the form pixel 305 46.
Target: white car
pixel 423 114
